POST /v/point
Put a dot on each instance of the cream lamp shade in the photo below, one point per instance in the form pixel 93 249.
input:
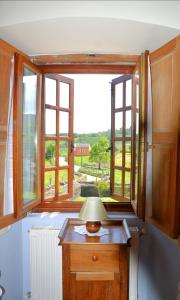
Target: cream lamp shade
pixel 93 210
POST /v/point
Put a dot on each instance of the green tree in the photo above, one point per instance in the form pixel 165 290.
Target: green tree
pixel 98 153
pixel 50 150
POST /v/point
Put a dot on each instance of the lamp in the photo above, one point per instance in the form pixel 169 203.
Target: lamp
pixel 93 212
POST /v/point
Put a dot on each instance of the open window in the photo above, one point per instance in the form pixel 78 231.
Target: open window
pixel 57 139
pixel 57 144
pixel 25 135
pixel 121 138
pixel 27 101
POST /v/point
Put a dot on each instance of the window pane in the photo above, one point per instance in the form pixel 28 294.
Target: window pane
pixel 63 182
pixel 117 182
pixel 63 123
pixel 50 91
pixel 119 95
pixel 137 124
pixel 118 153
pixel 127 186
pixel 50 122
pixel 128 154
pixel 29 145
pixel 118 124
pixel 128 92
pixel 63 153
pixel 128 123
pixel 49 184
pixel 50 147
pixel 64 95
pixel 137 96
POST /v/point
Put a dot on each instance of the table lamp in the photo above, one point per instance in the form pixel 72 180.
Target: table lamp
pixel 93 212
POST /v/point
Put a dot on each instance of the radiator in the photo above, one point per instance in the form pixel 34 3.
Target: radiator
pixel 45 264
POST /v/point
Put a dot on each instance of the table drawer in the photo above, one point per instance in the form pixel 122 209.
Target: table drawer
pixel 94 259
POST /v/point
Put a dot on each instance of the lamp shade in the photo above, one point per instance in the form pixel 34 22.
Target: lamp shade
pixel 93 210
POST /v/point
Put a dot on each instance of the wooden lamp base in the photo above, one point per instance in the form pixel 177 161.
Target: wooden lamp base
pixel 93 227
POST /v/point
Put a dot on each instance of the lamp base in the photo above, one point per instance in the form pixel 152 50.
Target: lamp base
pixel 93 226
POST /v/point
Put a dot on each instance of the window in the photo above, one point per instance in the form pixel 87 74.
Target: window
pixel 57 138
pixel 58 147
pixel 121 137
pixel 27 153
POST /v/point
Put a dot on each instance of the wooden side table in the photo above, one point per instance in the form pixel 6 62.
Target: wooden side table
pixel 95 268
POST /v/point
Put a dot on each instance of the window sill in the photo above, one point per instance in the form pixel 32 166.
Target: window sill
pixel 72 206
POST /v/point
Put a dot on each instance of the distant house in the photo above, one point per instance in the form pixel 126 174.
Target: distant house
pixel 81 149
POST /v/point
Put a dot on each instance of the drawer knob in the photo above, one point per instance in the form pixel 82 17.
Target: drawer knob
pixel 94 258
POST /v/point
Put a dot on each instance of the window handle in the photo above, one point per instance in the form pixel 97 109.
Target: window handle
pixel 72 147
pixel 150 146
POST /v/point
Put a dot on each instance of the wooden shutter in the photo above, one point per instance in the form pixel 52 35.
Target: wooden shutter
pixel 27 107
pixel 165 73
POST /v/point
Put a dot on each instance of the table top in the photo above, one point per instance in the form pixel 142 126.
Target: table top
pixel 118 233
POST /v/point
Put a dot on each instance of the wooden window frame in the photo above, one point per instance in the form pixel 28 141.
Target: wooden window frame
pixel 21 62
pixel 57 138
pixel 123 79
pixel 67 205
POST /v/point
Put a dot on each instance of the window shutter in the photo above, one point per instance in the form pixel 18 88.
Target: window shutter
pixel 163 211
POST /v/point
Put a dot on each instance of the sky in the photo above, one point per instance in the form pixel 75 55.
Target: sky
pixel 92 102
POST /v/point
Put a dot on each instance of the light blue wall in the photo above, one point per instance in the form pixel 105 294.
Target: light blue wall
pixel 159 266
pixel 11 262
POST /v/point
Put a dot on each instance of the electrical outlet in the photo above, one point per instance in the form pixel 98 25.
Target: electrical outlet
pixel 178 291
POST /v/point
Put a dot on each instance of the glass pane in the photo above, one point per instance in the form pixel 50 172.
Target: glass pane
pixel 63 153
pixel 50 122
pixel 137 96
pixel 63 123
pixel 128 154
pixel 118 124
pixel 64 95
pixel 50 147
pixel 118 153
pixel 136 183
pixel 50 91
pixel 129 93
pixel 8 203
pixel 127 186
pixel 128 123
pixel 49 184
pixel 29 142
pixel 63 182
pixel 119 95
pixel 117 182
pixel 137 124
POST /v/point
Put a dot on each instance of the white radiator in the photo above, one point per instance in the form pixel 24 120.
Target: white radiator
pixel 46 264
pixel 133 264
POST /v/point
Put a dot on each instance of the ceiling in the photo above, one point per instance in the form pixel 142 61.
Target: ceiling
pixel 59 27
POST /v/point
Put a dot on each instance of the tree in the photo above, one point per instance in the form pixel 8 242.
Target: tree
pixel 50 150
pixel 98 153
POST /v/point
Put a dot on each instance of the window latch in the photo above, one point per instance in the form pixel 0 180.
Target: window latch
pixel 72 147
